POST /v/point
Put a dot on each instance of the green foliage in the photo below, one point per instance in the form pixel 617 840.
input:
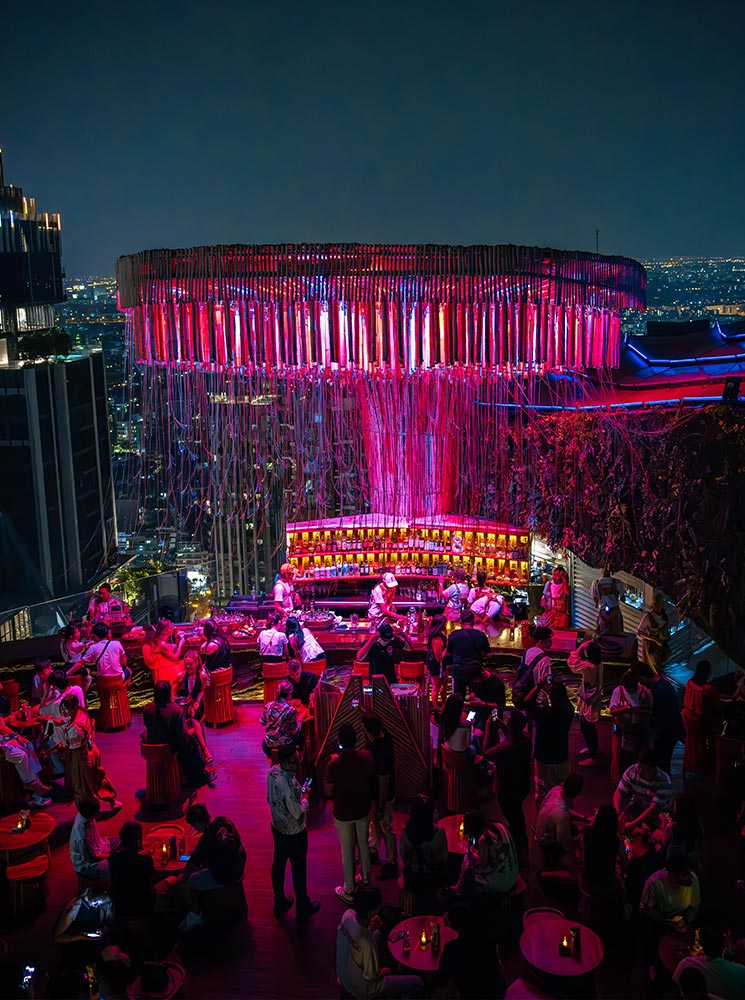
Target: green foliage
pixel 45 344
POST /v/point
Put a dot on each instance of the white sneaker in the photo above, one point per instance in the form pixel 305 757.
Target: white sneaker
pixel 190 921
pixel 584 752
pixel 344 896
pixel 38 801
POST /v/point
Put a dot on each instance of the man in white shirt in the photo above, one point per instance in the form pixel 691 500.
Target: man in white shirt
pixel 491 613
pixel 357 958
pixel 671 898
pixel 285 598
pixel 272 640
pixel 89 851
pixel 553 825
pixel 288 803
pixel 725 979
pixel 381 603
pixel 106 656
pixel 20 752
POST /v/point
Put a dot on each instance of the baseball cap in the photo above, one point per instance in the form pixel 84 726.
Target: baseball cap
pixel 389 580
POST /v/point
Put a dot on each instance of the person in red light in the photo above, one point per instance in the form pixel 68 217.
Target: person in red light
pixel 555 600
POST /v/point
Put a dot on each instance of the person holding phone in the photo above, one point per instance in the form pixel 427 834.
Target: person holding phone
pixel 288 803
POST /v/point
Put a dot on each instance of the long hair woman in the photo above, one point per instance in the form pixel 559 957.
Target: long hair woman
pixel 83 766
pixel 215 650
pixel 434 662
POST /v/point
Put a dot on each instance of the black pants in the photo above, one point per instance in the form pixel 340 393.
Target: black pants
pixel 512 807
pixel 663 747
pixel 590 733
pixel 293 848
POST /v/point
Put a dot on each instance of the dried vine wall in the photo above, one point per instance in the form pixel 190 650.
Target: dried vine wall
pixel 659 493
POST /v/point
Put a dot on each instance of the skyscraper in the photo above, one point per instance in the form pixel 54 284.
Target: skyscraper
pixel 57 519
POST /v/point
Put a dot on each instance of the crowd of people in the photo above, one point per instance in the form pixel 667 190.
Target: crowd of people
pixel 637 860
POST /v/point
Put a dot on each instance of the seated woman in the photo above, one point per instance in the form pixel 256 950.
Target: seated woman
pixel 283 727
pixel 215 650
pixel 20 752
pixel 83 766
pixel 165 658
pixel 600 848
pixel 72 647
pixel 303 644
pixel 423 849
pixel 272 640
pixel 490 863
pixel 190 686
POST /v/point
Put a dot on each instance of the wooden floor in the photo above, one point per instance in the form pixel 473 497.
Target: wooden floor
pixel 265 958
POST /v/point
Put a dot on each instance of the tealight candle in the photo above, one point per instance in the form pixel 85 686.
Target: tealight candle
pixel 462 828
pixel 564 948
pixel 423 939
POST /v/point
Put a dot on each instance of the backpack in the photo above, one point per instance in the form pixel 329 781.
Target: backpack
pixel 524 681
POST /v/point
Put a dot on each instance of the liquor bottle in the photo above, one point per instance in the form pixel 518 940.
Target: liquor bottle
pixel 436 938
pixel 406 946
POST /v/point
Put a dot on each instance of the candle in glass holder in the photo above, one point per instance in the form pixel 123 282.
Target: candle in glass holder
pixel 164 854
pixel 462 829
pixel 564 948
pixel 423 938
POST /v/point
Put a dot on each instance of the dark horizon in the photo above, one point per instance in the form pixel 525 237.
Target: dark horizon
pixel 165 127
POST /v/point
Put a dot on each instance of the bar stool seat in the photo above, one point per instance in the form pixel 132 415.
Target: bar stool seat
pixel 361 668
pixel 218 698
pixel 26 880
pixel 272 672
pixel 114 712
pixel 162 776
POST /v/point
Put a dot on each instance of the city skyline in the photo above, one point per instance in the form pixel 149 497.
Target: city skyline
pixel 272 123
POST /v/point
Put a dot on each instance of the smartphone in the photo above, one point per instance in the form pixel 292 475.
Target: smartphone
pixel 184 857
pixel 28 976
pixel 495 715
pixel 470 717
pixel 306 784
pixel 397 936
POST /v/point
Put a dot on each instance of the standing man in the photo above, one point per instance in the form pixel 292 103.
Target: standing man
pixel 666 727
pixel 380 652
pixel 288 803
pixel 466 649
pixel 285 598
pixel 381 820
pixel 350 773
pixel 381 603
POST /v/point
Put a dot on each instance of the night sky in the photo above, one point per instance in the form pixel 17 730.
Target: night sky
pixel 174 124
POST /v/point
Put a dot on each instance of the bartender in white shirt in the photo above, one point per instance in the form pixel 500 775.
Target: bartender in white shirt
pixel 285 598
pixel 381 603
pixel 492 614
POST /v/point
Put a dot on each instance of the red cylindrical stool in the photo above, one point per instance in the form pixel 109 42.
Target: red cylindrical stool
pixel 25 880
pixel 11 688
pixel 115 712
pixel 218 698
pixel 272 673
pixel 162 776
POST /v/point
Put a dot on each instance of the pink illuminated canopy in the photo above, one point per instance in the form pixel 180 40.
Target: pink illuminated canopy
pixel 378 308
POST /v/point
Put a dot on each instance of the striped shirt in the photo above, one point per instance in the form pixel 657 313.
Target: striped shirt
pixel 633 785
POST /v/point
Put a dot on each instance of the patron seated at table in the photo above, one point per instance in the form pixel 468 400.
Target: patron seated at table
pixel 358 967
pixel 42 673
pixel 165 654
pixel 469 966
pixel 554 833
pixel 218 860
pixel 490 863
pixel 303 682
pixel 423 848
pixel 106 657
pixel 50 709
pixel 132 875
pixel 671 898
pixel 724 979
pixel 20 752
pixel 273 642
pixel 643 792
pixel 89 851
pixel 280 718
pixel 165 722
pixel 381 651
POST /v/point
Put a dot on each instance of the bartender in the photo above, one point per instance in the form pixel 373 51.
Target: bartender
pixel 381 603
pixel 103 607
pixel 285 597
